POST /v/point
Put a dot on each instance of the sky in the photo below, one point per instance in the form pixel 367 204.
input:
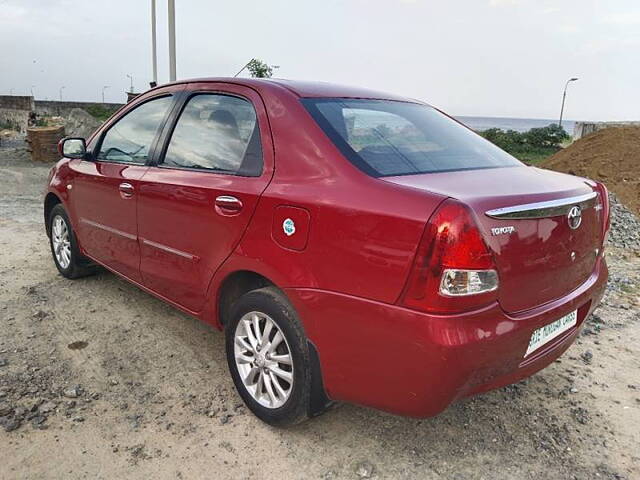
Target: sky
pixel 503 58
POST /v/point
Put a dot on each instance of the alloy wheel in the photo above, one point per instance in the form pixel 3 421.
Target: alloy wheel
pixel 263 359
pixel 61 241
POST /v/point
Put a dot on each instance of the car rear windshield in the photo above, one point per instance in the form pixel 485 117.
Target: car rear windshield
pixel 385 137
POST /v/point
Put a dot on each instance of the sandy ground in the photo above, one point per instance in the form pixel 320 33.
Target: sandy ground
pixel 100 380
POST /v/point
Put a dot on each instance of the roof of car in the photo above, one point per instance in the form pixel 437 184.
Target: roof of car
pixel 305 88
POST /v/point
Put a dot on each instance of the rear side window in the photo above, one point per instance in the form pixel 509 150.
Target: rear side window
pixel 385 138
pixel 217 133
pixel 130 138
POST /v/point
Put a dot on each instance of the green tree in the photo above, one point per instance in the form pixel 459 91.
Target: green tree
pixel 259 69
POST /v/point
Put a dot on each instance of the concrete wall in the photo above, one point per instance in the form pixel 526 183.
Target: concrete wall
pixel 52 108
pixel 582 129
pixel 14 111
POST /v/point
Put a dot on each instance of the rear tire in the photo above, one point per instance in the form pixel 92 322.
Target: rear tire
pixel 64 246
pixel 277 353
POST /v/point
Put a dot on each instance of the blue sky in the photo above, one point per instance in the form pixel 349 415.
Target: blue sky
pixel 468 57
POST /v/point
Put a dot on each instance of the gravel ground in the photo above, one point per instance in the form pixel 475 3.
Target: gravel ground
pixel 100 380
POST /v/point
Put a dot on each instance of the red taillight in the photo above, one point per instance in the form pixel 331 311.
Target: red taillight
pixel 450 253
pixel 604 210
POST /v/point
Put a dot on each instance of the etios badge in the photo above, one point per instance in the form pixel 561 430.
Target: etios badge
pixel 574 217
pixel 289 227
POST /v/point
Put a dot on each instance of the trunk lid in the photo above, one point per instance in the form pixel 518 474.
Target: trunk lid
pixel 539 256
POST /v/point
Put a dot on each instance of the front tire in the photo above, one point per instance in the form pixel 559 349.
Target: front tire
pixel 64 246
pixel 268 357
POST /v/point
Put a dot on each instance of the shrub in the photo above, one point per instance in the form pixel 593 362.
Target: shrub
pixel 100 111
pixel 550 136
pixel 530 146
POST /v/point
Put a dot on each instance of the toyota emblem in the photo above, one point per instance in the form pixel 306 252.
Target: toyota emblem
pixel 574 217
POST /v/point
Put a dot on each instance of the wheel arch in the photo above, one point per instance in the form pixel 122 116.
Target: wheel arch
pixel 50 201
pixel 234 285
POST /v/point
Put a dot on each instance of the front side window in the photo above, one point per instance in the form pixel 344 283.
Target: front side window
pixel 129 139
pixel 217 133
pixel 384 137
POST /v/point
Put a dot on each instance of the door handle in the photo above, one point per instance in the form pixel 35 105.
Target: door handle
pixel 228 205
pixel 126 189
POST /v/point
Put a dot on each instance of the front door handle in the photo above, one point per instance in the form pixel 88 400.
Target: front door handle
pixel 126 189
pixel 228 205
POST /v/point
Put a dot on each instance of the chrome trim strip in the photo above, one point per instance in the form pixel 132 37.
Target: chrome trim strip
pixel 551 208
pixel 109 229
pixel 164 248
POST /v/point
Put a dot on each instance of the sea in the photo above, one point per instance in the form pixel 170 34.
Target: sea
pixel 517 124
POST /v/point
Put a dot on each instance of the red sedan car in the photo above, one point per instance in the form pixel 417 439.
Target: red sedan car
pixel 353 245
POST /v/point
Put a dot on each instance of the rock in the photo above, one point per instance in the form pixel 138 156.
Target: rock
pixel 10 423
pixel 47 407
pixel 587 357
pixel 79 123
pixel 580 414
pixel 71 393
pixel 225 419
pixel 625 226
pixel 364 469
pixel 38 420
pixel 5 409
pixel 3 362
pixel 39 315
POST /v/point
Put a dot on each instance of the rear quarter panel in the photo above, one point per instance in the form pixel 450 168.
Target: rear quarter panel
pixel 363 232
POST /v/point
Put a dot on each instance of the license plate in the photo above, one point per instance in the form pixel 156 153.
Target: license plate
pixel 550 331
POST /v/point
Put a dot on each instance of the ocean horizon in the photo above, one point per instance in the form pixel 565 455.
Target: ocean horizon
pixel 517 124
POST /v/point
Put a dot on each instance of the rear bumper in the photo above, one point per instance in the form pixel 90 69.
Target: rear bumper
pixel 410 363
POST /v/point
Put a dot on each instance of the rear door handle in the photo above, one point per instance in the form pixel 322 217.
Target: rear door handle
pixel 228 205
pixel 126 189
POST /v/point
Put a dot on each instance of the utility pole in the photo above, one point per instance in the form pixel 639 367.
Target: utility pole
pixel 130 78
pixel 61 88
pixel 564 95
pixel 103 89
pixel 172 40
pixel 154 53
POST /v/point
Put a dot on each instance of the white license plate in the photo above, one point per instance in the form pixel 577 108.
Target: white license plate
pixel 550 331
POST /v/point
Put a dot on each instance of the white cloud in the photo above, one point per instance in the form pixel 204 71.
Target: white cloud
pixel 502 3
pixel 569 28
pixel 627 18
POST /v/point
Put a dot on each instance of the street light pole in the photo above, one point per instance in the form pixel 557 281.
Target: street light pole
pixel 564 95
pixel 172 40
pixel 61 88
pixel 103 89
pixel 130 78
pixel 154 53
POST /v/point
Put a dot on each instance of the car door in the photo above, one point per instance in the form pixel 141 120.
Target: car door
pixel 195 203
pixel 104 189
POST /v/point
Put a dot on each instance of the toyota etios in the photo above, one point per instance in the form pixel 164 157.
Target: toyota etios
pixel 353 245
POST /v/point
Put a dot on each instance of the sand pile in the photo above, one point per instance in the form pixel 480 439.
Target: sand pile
pixel 611 156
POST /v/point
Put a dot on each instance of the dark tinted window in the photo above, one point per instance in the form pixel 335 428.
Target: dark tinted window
pixel 130 138
pixel 217 133
pixel 398 138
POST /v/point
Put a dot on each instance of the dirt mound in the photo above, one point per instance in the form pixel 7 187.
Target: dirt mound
pixel 611 156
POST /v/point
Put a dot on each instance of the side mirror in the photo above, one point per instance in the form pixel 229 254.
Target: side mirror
pixel 71 147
